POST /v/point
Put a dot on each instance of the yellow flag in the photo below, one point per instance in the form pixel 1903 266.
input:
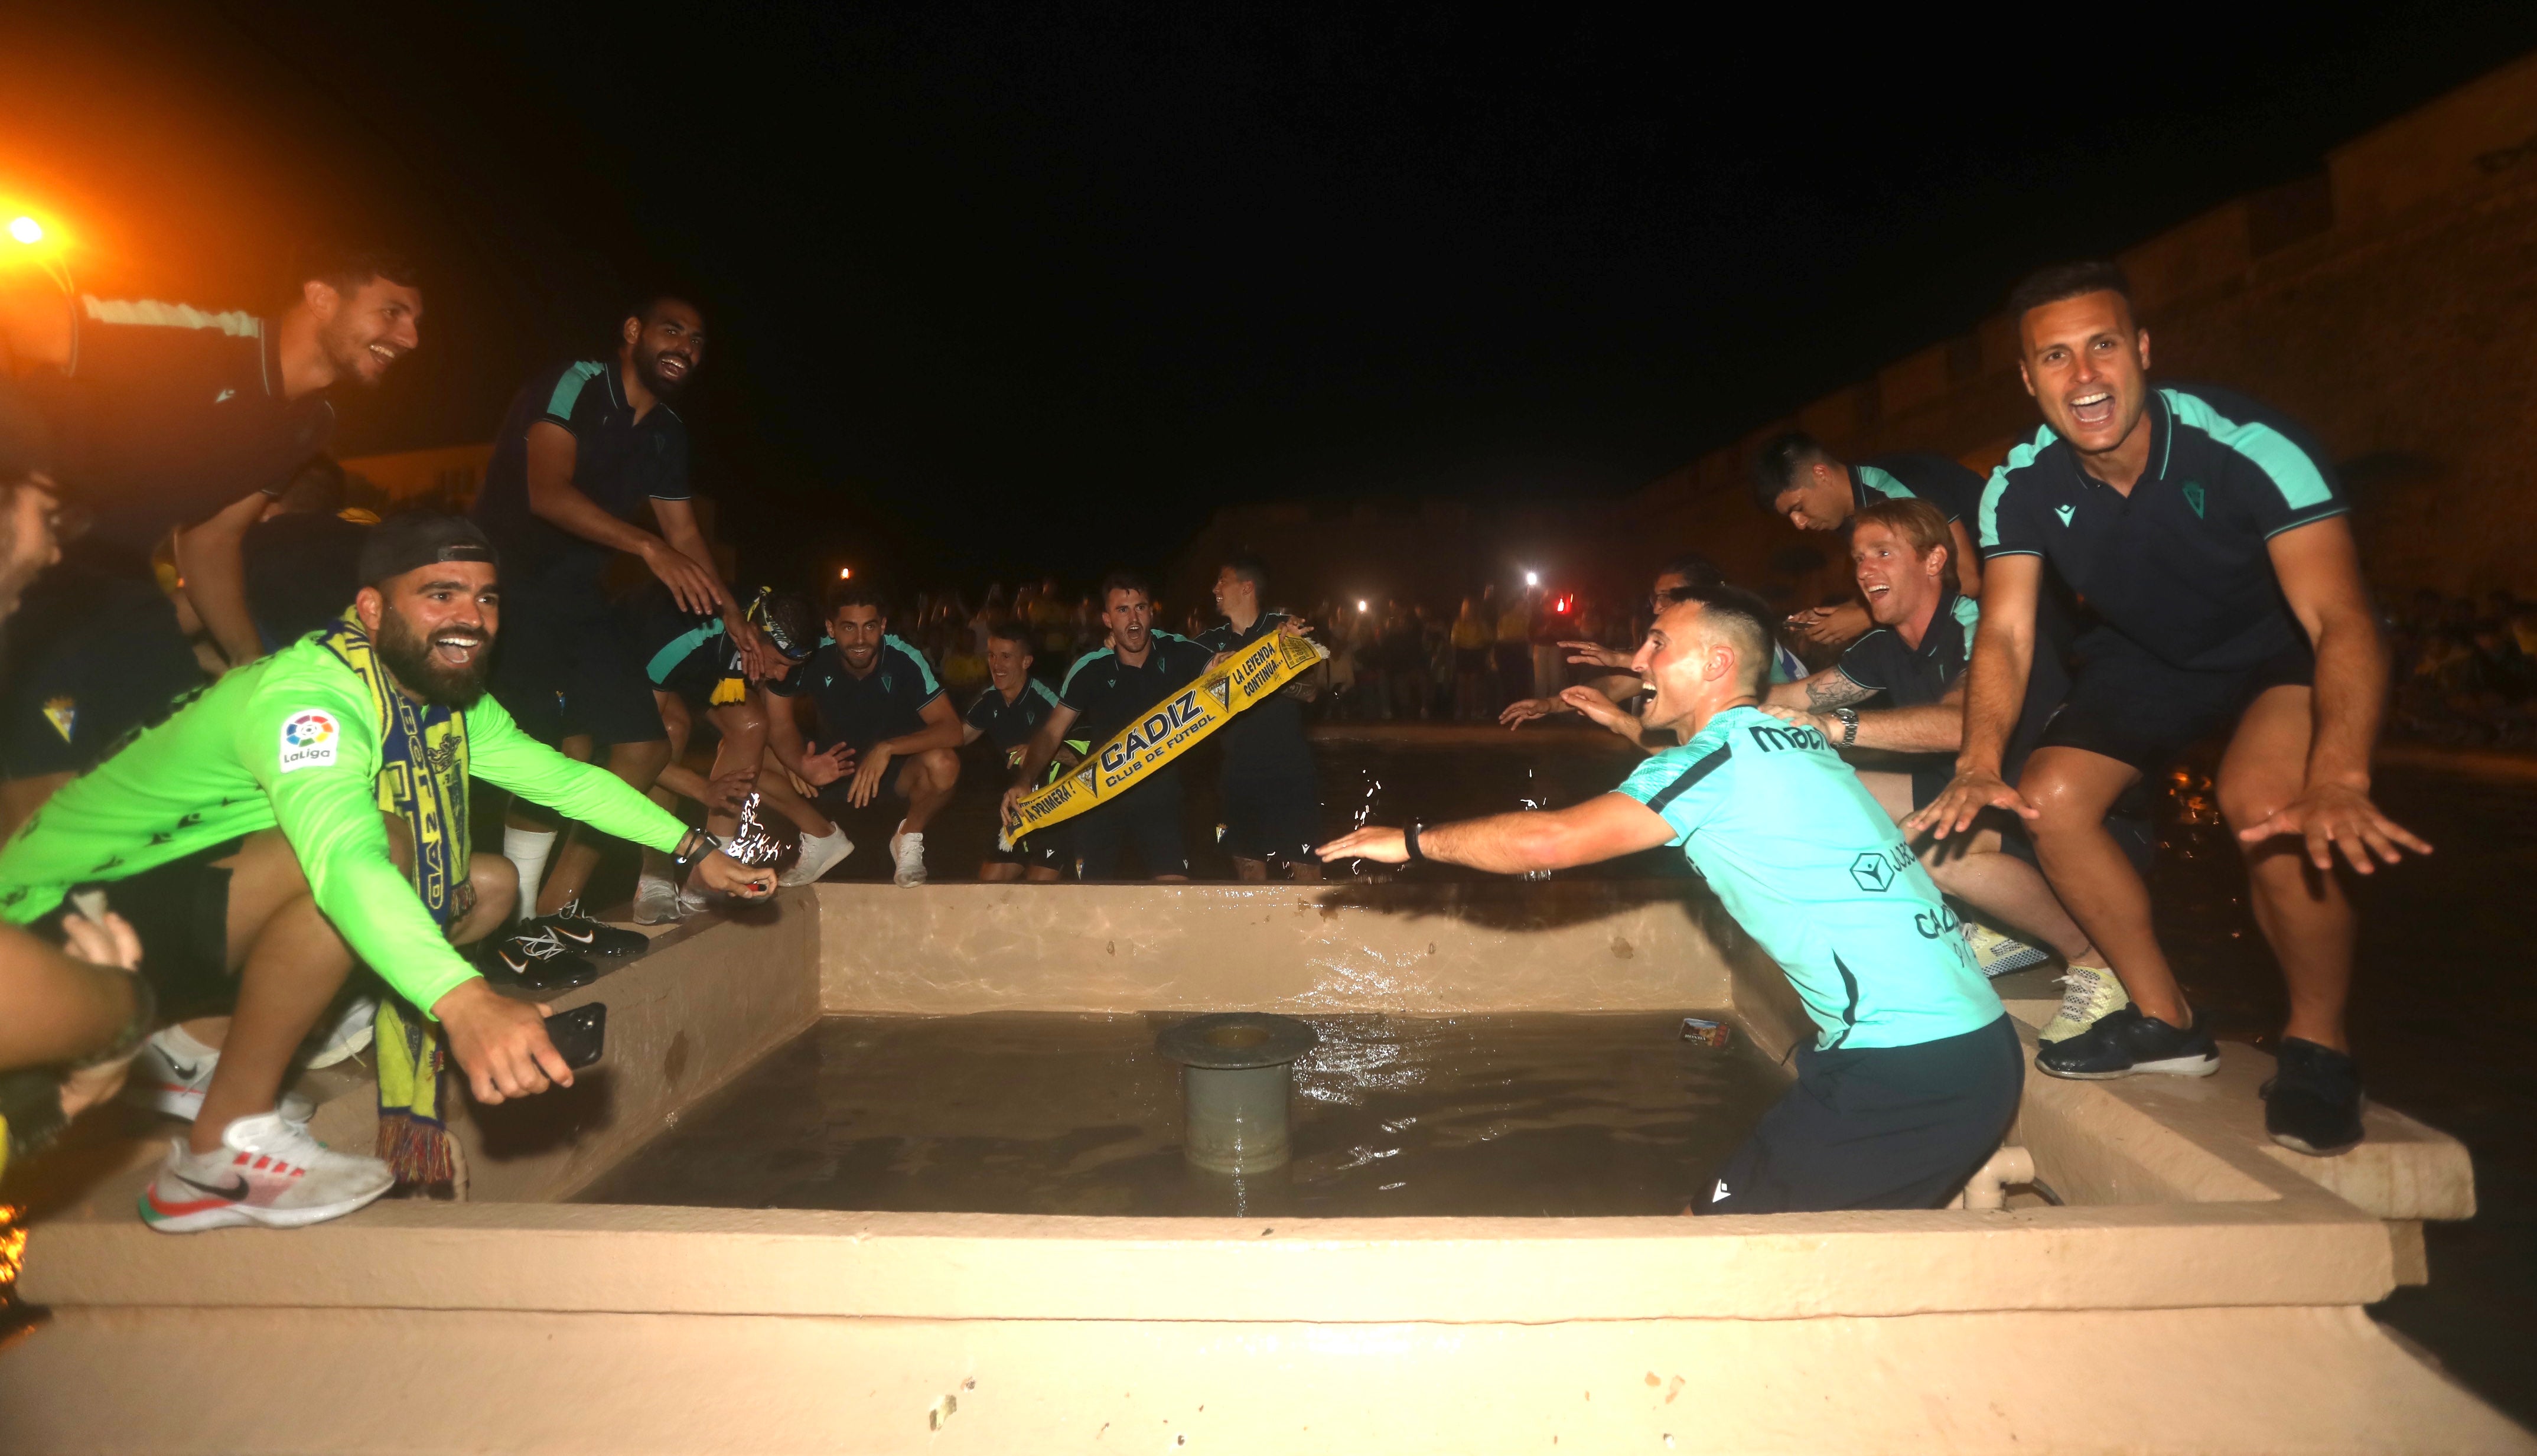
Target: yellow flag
pixel 1171 728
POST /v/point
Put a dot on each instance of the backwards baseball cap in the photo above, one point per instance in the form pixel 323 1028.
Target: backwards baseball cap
pixel 419 539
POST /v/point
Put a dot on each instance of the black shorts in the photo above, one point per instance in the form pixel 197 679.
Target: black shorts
pixel 1270 808
pixel 2129 706
pixel 836 798
pixel 1885 1127
pixel 1148 818
pixel 1051 848
pixel 568 661
pixel 104 676
pixel 180 911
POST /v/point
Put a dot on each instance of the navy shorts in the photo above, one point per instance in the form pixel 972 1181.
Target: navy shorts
pixel 1882 1127
pixel 180 911
pixel 567 661
pixel 1269 810
pixel 2129 706
pixel 1147 819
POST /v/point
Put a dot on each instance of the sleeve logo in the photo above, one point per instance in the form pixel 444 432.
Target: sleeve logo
pixel 308 740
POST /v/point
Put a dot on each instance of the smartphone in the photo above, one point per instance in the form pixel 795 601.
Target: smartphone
pixel 580 1033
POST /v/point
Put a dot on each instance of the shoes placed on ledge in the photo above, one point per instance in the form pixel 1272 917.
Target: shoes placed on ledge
pixel 2312 1100
pixel 534 961
pixel 267 1170
pixel 581 934
pixel 2090 992
pixel 2124 1043
pixel 1996 955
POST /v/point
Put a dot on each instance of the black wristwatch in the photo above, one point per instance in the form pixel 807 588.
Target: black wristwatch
pixel 1410 841
pixel 692 852
pixel 1849 725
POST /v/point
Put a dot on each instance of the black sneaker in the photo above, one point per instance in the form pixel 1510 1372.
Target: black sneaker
pixel 2312 1100
pixel 534 961
pixel 2122 1042
pixel 580 933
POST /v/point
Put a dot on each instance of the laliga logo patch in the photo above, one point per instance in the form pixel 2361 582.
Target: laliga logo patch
pixel 63 714
pixel 307 739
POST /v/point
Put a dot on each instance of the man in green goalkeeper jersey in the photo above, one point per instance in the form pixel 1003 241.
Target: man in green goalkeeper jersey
pixel 310 809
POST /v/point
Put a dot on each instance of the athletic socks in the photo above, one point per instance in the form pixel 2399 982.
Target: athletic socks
pixel 527 850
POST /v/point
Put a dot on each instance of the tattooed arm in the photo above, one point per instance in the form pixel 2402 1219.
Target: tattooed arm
pixel 1820 693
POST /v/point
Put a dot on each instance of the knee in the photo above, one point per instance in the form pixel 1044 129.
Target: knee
pixel 743 725
pixel 2247 800
pixel 497 881
pixel 942 767
pixel 2062 804
pixel 639 762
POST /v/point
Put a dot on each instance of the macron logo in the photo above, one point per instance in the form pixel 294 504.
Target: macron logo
pixel 2066 512
pixel 226 394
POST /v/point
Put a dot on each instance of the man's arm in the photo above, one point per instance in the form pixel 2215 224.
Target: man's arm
pixel 678 528
pixel 1924 728
pixel 2320 572
pixel 555 498
pixel 1043 747
pixel 1994 693
pixel 1603 827
pixel 1968 560
pixel 212 558
pixel 941 730
pixel 1820 693
pixel 784 740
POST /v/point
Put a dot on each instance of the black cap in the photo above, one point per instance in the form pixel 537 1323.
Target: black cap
pixel 421 538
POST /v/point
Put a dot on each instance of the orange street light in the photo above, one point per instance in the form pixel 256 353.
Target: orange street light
pixel 845 574
pixel 27 231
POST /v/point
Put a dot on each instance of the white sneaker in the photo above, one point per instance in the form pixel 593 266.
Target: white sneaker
pixel 2093 992
pixel 819 856
pixel 907 851
pixel 656 902
pixel 1998 955
pixel 267 1170
pixel 171 1073
pixel 349 1034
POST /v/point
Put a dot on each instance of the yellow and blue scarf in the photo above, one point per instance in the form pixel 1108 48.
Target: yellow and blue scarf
pixel 423 780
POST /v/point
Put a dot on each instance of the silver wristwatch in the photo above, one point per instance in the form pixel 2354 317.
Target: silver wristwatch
pixel 1849 725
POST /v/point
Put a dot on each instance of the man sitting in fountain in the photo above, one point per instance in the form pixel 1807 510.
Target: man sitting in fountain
pixel 1916 1073
pixel 308 809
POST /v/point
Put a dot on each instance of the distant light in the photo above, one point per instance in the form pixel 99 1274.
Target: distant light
pixel 845 574
pixel 1360 605
pixel 27 231
pixel 1561 605
pixel 1533 578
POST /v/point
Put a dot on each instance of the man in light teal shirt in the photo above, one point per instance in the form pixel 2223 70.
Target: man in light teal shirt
pixel 1915 1072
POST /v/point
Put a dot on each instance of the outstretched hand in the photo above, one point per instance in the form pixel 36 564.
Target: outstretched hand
pixel 1595 654
pixel 500 1044
pixel 1964 799
pixel 1601 710
pixel 1374 843
pixel 1525 710
pixel 828 766
pixel 2331 817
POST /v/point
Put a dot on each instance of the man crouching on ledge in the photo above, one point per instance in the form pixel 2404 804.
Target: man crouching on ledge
pixel 1917 1073
pixel 310 808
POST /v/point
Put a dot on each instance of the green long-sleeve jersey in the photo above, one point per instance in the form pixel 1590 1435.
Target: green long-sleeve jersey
pixel 293 740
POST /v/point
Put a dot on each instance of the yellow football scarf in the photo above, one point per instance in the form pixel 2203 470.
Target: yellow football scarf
pixel 1176 725
pixel 423 780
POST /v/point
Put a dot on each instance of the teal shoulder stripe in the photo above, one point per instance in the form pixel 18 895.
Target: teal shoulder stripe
pixel 921 666
pixel 2285 464
pixel 2018 459
pixel 1046 696
pixel 1969 617
pixel 1884 484
pixel 568 391
pixel 675 650
pixel 1080 664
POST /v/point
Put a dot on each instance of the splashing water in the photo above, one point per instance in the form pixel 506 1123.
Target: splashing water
pixel 751 843
pixel 1532 799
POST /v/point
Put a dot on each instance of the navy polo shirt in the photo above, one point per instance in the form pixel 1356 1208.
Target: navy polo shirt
pixel 1919 475
pixel 1911 676
pixel 1107 695
pixel 2180 565
pixel 1269 733
pixel 619 462
pixel 887 702
pixel 1009 726
pixel 168 413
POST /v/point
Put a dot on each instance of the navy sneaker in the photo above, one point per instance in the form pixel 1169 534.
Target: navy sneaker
pixel 2312 1100
pixel 2124 1043
pixel 535 962
pixel 584 936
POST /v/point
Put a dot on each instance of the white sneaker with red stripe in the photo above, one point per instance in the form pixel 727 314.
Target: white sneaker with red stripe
pixel 267 1170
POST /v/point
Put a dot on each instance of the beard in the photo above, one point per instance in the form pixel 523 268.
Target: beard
pixel 408 656
pixel 649 365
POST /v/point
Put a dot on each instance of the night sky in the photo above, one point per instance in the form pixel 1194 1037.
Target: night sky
pixel 1041 287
